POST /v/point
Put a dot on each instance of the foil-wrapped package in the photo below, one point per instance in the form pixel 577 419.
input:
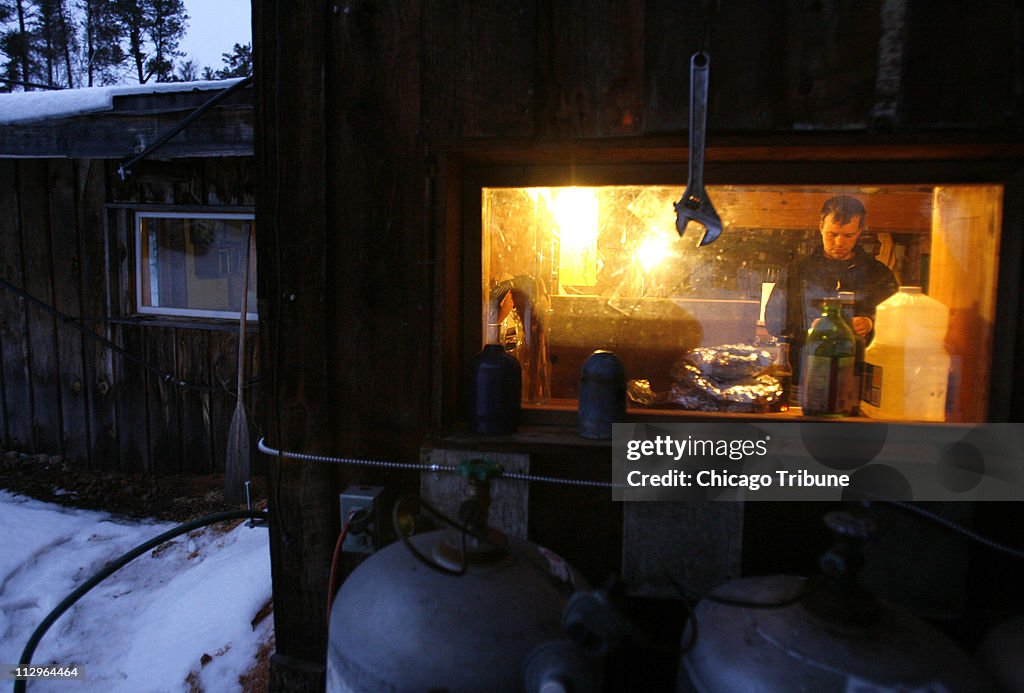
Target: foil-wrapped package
pixel 758 394
pixel 724 364
pixel 640 392
pixel 732 378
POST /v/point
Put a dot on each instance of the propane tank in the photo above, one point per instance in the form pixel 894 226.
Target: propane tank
pixel 448 612
pixel 789 633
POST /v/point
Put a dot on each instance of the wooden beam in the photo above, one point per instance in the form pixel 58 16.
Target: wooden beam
pixel 290 238
pixel 891 211
pixel 223 131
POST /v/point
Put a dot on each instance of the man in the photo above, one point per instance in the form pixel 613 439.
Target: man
pixel 838 265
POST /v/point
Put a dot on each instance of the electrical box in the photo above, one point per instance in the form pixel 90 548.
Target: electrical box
pixel 362 509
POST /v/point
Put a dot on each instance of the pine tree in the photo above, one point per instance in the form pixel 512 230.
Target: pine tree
pixel 55 42
pixel 187 71
pixel 131 16
pixel 16 41
pixel 101 36
pixel 152 30
pixel 237 63
pixel 169 22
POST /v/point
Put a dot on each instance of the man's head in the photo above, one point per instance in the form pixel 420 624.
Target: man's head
pixel 841 222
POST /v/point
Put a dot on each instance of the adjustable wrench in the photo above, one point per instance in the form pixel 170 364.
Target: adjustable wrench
pixel 695 204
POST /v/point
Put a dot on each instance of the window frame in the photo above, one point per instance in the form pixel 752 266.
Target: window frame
pixel 821 160
pixel 138 215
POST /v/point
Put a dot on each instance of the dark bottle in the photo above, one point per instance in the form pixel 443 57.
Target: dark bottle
pixel 495 392
pixel 827 385
pixel 847 301
pixel 602 396
pixel 782 370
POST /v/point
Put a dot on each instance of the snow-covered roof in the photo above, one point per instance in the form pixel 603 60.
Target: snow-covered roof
pixel 35 106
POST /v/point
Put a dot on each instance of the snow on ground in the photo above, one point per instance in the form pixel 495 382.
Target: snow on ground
pixel 177 618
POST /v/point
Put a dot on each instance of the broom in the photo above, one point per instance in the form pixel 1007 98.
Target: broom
pixel 236 463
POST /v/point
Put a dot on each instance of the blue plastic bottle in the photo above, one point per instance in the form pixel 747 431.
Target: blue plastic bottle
pixel 602 396
pixel 495 392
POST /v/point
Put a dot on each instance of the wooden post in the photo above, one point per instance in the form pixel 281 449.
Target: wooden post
pixel 290 240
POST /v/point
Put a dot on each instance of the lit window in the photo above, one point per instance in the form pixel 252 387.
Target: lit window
pixel 567 270
pixel 194 264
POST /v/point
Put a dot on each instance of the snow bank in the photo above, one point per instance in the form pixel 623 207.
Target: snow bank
pixel 186 608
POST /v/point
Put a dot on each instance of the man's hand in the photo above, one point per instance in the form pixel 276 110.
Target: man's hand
pixel 862 325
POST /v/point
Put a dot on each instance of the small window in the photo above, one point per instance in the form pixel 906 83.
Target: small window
pixel 194 264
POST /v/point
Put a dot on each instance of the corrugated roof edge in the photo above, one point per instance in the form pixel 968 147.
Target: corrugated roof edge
pixel 36 106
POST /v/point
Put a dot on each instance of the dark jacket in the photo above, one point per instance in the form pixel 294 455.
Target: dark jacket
pixel 794 302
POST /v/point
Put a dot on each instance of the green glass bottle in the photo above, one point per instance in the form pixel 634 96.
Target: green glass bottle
pixel 847 304
pixel 828 382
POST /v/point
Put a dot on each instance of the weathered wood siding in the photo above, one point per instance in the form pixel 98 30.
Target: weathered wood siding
pixel 405 83
pixel 601 68
pixel 360 103
pixel 62 392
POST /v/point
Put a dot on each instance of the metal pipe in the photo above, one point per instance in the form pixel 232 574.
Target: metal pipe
pixel 307 457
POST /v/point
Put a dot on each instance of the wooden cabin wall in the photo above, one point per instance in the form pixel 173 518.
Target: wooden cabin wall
pixel 64 393
pixel 359 104
pixel 404 82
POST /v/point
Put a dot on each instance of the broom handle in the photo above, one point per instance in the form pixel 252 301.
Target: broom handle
pixel 245 309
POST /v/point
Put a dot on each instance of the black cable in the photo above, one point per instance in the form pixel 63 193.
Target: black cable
pixel 114 566
pixel 480 536
pixel 77 324
pixel 561 585
pixel 125 168
pixel 433 565
pixel 949 524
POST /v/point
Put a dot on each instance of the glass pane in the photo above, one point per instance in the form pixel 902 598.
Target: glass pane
pixel 567 270
pixel 195 265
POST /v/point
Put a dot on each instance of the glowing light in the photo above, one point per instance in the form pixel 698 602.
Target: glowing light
pixel 576 213
pixel 653 248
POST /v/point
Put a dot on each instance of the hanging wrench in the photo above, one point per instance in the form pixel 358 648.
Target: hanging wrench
pixel 695 204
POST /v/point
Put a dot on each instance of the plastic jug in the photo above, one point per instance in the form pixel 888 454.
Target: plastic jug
pixel 906 366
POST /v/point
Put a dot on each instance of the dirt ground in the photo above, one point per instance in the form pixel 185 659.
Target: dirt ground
pixel 174 498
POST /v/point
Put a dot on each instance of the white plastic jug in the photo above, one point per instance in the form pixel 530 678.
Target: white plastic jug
pixel 906 366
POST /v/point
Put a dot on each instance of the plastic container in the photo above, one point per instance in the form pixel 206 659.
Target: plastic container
pixel 602 396
pixel 906 366
pixel 495 392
